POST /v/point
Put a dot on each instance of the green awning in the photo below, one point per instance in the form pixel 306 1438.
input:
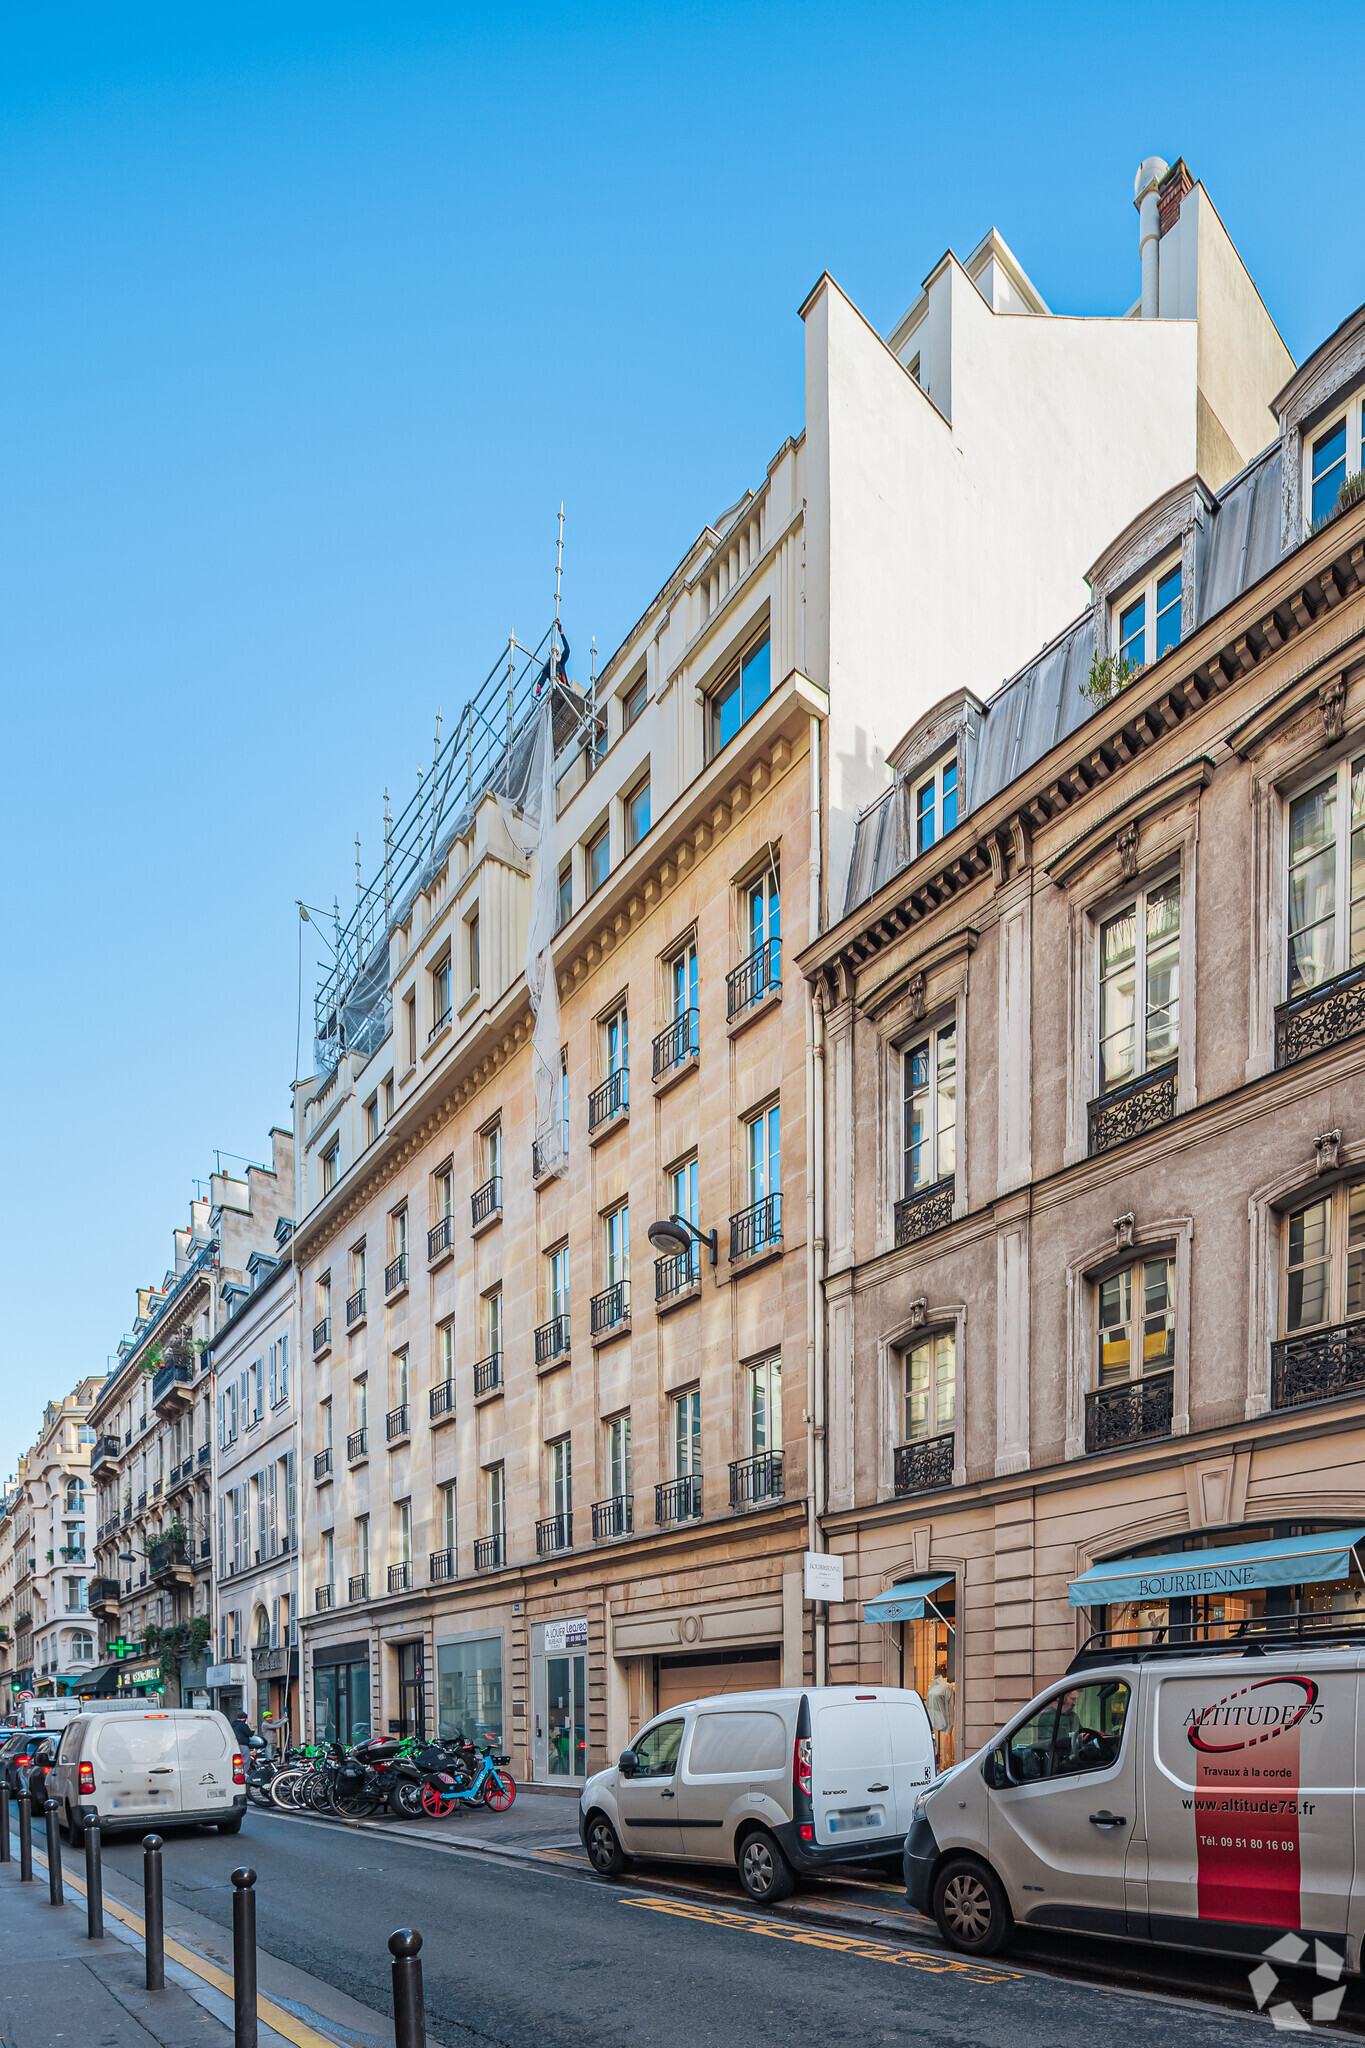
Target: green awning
pixel 1286 1561
pixel 906 1601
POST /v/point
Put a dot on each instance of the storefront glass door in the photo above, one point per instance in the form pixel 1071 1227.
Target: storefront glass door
pixel 559 1692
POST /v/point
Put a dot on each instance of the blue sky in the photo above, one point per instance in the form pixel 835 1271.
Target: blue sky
pixel 309 318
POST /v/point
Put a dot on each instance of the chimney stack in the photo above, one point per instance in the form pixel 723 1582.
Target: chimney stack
pixel 1145 189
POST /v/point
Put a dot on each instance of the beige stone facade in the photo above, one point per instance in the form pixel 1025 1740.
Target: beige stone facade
pixel 47 1635
pixel 1121 1309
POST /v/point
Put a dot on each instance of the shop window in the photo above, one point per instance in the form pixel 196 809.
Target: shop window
pixel 469 1691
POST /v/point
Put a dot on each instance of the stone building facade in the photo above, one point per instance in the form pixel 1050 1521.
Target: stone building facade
pixel 1094 1066
pixel 48 1645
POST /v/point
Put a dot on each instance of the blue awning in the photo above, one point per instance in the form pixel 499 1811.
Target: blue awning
pixel 905 1602
pixel 1290 1561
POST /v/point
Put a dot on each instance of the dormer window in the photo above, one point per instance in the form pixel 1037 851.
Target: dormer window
pixel 1149 626
pixel 936 804
pixel 1334 454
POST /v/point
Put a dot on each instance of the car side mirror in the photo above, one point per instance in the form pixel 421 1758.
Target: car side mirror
pixel 995 1771
pixel 628 1763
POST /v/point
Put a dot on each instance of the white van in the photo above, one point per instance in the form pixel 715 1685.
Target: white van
pixel 1203 1797
pixel 149 1768
pixel 777 1783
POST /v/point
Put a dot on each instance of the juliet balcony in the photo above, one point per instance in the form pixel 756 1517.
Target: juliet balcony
pixel 488 1375
pixel 924 1465
pixel 554 1532
pixel 614 1517
pixel 755 1480
pixel 610 1310
pixel 1317 1365
pixel 754 980
pixel 609 1102
pixel 678 1500
pixel 1320 1017
pixel 1129 1411
pixel 552 1341
pixel 1140 1105
pixel 757 1230
pixel 675 1047
pixel 486 1203
pixel 925 1211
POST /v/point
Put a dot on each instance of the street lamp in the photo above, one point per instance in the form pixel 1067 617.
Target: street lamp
pixel 675 1236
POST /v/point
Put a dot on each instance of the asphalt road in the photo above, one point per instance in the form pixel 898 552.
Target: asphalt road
pixel 535 1958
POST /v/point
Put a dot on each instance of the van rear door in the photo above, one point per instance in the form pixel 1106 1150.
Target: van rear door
pixel 206 1751
pixel 137 1765
pixel 912 1756
pixel 851 1774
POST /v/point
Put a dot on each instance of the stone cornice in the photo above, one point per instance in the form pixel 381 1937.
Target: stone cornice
pixel 1163 793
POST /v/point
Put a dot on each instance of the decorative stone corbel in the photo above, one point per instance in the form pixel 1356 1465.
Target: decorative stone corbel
pixel 1123 1232
pixel 919 1312
pixel 1332 698
pixel 1327 1151
pixel 1127 847
pixel 917 990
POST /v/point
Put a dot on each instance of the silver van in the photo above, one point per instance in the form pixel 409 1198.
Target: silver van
pixel 1204 1796
pixel 149 1768
pixel 778 1783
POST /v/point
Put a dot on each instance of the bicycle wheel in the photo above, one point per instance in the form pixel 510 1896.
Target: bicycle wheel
pixel 499 1790
pixel 354 1805
pixel 284 1790
pixel 436 1804
pixel 258 1790
pixel 314 1794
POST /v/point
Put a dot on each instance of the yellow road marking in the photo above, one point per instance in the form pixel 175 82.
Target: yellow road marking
pixel 285 2023
pixel 934 1961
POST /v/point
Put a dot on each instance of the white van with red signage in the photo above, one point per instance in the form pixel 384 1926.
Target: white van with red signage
pixel 1201 1796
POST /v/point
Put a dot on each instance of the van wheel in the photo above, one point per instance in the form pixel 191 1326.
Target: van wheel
pixel 230 1827
pixel 73 1831
pixel 605 1853
pixel 971 1909
pixel 764 1871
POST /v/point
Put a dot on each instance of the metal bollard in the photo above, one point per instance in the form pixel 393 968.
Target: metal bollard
pixel 55 1892
pixel 154 1936
pixel 4 1822
pixel 94 1880
pixel 25 1839
pixel 243 1959
pixel 409 2009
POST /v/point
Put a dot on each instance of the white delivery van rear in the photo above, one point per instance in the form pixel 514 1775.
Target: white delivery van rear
pixel 151 1769
pixel 872 1754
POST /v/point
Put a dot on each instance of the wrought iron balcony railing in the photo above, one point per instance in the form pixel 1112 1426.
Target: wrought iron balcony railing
pixel 549 1150
pixel 924 1464
pixel 442 1566
pixel 400 1577
pixel 322 1335
pixel 358 1587
pixel 396 1423
pixel 1139 1105
pixel 552 1340
pixel 489 1553
pixel 168 1376
pixel 442 1400
pixel 439 1026
pixel 396 1274
pixel 614 1517
pixel 357 1445
pixel 486 1202
pixel 1317 1365
pixel 167 1554
pixel 611 1308
pixel 322 1598
pixel 757 1228
pixel 758 976
pixel 1320 1017
pixel 488 1374
pixel 756 1479
pixel 676 1043
pixel 554 1532
pixel 203 1454
pixel 1129 1411
pixel 440 1237
pixel 925 1211
pixel 322 1464
pixel 105 1447
pixel 355 1307
pixel 677 1275
pixel 678 1500
pixel 610 1098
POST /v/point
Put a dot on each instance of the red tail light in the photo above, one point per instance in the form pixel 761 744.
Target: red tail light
pixel 20 1761
pixel 87 1780
pixel 801 1765
pixel 807 1831
pixel 238 1774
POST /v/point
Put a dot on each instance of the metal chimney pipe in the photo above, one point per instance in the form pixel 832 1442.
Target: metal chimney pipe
pixel 1145 187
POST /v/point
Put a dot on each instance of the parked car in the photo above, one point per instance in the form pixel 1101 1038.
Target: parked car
pixel 1199 1796
pixel 25 1761
pixel 170 1767
pixel 777 1783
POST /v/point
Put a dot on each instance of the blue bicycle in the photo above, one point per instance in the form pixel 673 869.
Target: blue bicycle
pixel 493 1783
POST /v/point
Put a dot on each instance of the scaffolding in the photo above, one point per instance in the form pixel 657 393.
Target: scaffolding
pixel 489 751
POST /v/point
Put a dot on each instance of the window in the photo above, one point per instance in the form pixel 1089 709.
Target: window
pixel 634 702
pixel 372 1120
pixel 1327 871
pixel 687 1434
pixel 764 911
pixel 930 1386
pixel 492 1321
pixel 1325 1248
pixel 929 1110
pixel 736 698
pixel 473 929
pixel 656 1751
pixel 616 1043
pixel 388 1098
pixel 400 1233
pixel 445 1193
pixel 326 1412
pixel 358 1269
pixel 564 1095
pixel 565 895
pixel 682 1190
pixel 557 1275
pixel 328 1558
pixel 331 1166
pixel 1335 455
pixel 362 1403
pixel 400 1379
pixel 402 1531
pixel 1168 603
pixel 637 814
pixel 598 860
pixel 75 1497
pixel 410 1029
pixel 447 1517
pixel 936 805
pixel 1140 952
pixel 616 1227
pixel 362 1545
pixel 469 1691
pixel 1149 1285
pixel 561 1477
pixel 75 1596
pixel 1078 1730
pixel 445 1353
pixel 497 1501
pixel 618 1457
pixel 492 1153
pixel 763 1154
pixel 81 1647
pixel 440 995
pixel 765 1406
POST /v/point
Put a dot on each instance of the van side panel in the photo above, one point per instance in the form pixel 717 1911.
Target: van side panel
pixel 737 1762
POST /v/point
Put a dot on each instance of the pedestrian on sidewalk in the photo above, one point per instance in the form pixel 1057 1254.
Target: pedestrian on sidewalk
pixel 242 1728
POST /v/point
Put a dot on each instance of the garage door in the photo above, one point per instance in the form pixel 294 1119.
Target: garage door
pixel 697 1678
